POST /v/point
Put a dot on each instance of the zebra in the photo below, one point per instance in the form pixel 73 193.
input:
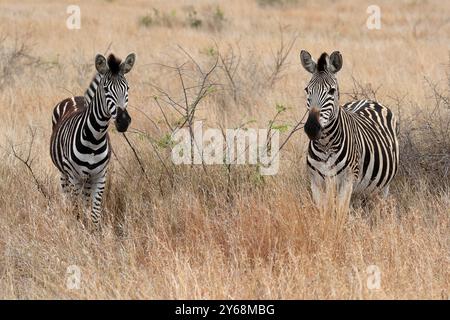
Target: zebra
pixel 354 145
pixel 79 144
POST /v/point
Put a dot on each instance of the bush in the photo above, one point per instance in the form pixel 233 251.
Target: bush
pixel 211 18
pixel 273 3
pixel 425 140
pixel 159 18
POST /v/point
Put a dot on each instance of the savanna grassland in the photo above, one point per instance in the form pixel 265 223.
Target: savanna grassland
pixel 223 232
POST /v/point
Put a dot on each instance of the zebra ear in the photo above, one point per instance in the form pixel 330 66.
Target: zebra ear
pixel 335 62
pixel 128 64
pixel 307 62
pixel 100 64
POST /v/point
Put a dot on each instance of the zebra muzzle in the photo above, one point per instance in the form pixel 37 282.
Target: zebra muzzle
pixel 123 120
pixel 312 126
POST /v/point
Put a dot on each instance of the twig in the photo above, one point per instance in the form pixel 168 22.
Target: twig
pixel 294 129
pixel 120 162
pixel 136 156
pixel 281 55
pixel 28 162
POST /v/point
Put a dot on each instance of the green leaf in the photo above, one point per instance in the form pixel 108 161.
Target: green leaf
pixel 211 90
pixel 281 127
pixel 165 141
pixel 280 108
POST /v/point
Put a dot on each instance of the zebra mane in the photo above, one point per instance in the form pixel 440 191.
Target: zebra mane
pixel 322 63
pixel 90 92
pixel 114 64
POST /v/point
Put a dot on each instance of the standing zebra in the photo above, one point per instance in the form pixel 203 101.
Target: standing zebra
pixel 354 145
pixel 79 145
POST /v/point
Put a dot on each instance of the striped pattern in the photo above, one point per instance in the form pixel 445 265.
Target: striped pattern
pixel 90 92
pixel 80 146
pixel 355 144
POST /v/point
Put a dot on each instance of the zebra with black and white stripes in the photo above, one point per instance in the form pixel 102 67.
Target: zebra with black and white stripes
pixel 79 145
pixel 354 145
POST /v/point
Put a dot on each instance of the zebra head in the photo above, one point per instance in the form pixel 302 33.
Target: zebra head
pixel 322 91
pixel 115 87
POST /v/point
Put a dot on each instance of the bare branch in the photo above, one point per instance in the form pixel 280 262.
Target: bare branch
pixel 136 156
pixel 27 161
pixel 281 55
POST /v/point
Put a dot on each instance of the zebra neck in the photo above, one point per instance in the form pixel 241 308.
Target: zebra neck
pixel 92 89
pixel 95 119
pixel 332 134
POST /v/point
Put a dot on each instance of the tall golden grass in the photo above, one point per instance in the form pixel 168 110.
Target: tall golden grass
pixel 181 232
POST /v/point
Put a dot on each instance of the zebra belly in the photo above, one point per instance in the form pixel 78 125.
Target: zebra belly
pixel 371 178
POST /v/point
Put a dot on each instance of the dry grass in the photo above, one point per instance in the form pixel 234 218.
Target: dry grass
pixel 180 232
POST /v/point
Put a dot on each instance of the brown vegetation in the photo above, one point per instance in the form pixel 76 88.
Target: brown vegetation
pixel 223 231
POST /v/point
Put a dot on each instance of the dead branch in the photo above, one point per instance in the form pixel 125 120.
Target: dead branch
pixel 28 161
pixel 138 159
pixel 229 63
pixel 191 94
pixel 281 55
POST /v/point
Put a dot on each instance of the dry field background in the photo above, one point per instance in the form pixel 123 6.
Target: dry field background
pixel 183 232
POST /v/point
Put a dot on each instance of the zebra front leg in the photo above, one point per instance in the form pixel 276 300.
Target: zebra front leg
pixel 71 191
pixel 317 190
pixel 345 189
pixel 77 191
pixel 385 192
pixel 65 184
pixel 66 189
pixel 97 189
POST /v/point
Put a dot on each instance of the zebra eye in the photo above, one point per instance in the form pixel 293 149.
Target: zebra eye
pixel 306 89
pixel 332 91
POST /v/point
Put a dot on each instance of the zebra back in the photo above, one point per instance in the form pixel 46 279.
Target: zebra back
pixel 67 107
